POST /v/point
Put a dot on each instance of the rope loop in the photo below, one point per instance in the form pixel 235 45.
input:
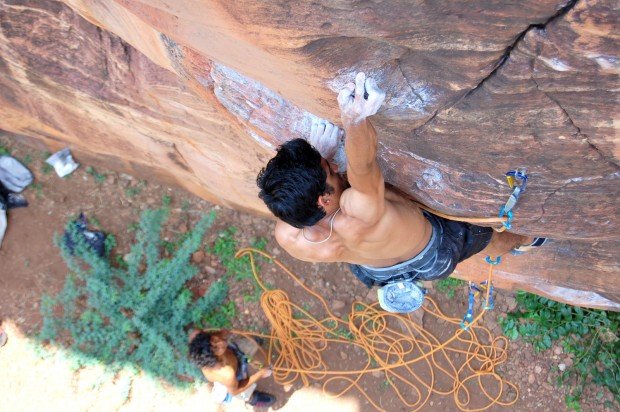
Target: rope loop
pixel 396 347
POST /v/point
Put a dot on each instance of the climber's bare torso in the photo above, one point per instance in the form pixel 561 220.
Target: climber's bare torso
pixel 399 234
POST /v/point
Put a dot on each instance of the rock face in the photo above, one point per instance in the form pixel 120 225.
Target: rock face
pixel 199 93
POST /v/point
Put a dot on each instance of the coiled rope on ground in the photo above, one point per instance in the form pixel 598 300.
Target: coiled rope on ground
pixel 393 345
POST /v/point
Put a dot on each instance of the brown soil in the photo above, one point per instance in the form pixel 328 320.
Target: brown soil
pixel 31 266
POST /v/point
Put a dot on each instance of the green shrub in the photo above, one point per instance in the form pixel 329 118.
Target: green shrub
pixel 135 313
pixel 98 177
pixel 591 336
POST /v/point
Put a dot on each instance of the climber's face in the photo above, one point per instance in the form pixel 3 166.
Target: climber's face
pixel 336 184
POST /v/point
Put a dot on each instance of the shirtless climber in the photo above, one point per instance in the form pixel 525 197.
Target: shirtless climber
pixel 387 240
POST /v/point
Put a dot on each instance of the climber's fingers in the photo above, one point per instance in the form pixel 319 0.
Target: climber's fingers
pixel 328 130
pixel 313 130
pixel 320 129
pixel 360 79
pixel 376 96
pixel 345 96
pixel 335 132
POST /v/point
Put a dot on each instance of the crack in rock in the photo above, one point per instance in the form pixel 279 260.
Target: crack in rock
pixel 402 73
pixel 506 55
pixel 578 132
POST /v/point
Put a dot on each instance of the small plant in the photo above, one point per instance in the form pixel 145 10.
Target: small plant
pixel 97 177
pixel 4 151
pixel 225 248
pixel 26 160
pixel 38 189
pixel 449 286
pixel 385 385
pixel 137 311
pixel 166 200
pixel 95 222
pixel 240 269
pixel 46 168
pixel 590 336
pixel 137 189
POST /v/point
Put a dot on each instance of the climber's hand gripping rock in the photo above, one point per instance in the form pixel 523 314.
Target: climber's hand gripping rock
pixel 325 137
pixel 355 106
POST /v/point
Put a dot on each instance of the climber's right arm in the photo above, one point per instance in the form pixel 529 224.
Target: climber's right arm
pixel 366 201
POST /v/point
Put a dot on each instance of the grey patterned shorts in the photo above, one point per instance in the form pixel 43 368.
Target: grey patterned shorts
pixel 451 242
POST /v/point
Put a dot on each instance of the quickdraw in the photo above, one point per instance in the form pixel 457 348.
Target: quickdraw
pixel 517 180
pixel 485 287
pixel 469 316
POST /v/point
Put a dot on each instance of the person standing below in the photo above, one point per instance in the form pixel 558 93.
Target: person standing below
pixel 223 363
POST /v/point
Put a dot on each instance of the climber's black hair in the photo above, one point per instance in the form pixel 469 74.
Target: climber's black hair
pixel 292 182
pixel 201 352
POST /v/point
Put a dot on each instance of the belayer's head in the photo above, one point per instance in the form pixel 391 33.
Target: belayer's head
pixel 299 186
pixel 206 347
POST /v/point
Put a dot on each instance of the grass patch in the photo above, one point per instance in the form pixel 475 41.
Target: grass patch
pixel 449 286
pixel 97 177
pixel 237 270
pixel 4 151
pixel 136 190
pixel 26 160
pixel 591 336
pixel 38 189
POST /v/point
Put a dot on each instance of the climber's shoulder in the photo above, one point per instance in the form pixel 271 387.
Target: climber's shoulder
pixel 288 237
pixel 285 233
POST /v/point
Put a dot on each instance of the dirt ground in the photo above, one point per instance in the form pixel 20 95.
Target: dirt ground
pixel 30 265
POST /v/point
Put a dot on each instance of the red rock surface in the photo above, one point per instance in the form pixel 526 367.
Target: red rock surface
pixel 200 92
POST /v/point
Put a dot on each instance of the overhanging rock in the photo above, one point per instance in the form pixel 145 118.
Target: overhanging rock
pixel 474 89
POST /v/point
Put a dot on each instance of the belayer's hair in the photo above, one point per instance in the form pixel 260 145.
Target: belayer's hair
pixel 292 182
pixel 201 352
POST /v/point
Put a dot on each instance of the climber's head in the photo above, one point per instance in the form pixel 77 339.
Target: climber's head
pixel 299 186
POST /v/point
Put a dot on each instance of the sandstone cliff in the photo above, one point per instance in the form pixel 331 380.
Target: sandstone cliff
pixel 199 93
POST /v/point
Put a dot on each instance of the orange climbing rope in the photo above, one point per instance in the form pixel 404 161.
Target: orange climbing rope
pixel 414 362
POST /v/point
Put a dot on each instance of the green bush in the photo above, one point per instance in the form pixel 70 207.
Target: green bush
pixel 591 336
pixel 137 311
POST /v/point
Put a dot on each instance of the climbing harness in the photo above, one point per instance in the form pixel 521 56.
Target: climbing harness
pixel 414 362
pixel 517 180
